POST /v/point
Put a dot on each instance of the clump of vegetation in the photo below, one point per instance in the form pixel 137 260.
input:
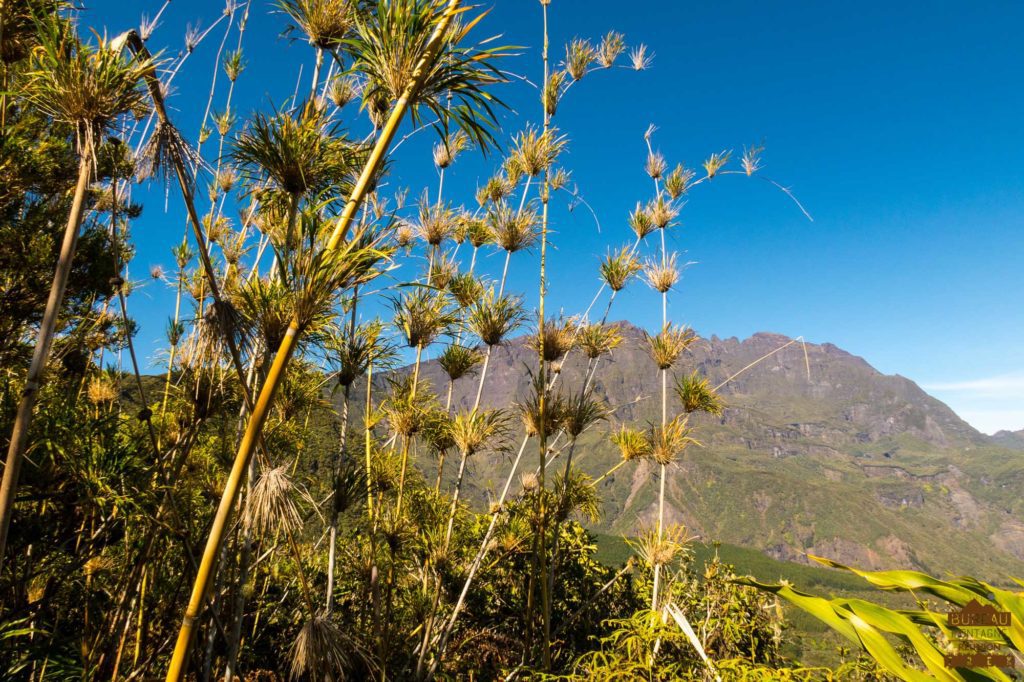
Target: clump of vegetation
pixel 276 503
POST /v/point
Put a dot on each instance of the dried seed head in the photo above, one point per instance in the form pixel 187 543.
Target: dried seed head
pixel 319 650
pixel 579 55
pixel 466 289
pixel 716 162
pixel 102 390
pixel 612 45
pixel 510 229
pixel 598 339
pixel 496 189
pixel 535 151
pixel 226 179
pixel 404 234
pixel 655 165
pixel 556 339
pixel 446 151
pixel 639 58
pixel 662 213
pixel 344 89
pixel 752 158
pixel 436 222
pixel 559 179
pixel 271 507
pixel 443 271
pixel 492 318
pixel 662 274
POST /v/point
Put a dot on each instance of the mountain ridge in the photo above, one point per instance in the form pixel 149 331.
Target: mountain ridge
pixel 853 464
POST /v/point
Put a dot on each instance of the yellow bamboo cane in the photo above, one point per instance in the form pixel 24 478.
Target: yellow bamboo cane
pixel 207 567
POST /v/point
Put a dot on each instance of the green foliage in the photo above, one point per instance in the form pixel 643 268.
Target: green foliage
pixel 929 635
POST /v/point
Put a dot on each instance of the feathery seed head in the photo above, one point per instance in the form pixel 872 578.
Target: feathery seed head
pixel 474 430
pixel 552 92
pixel 669 441
pixel 598 339
pixel 716 162
pixel 579 55
pixel 496 189
pixel 556 338
pixel 492 318
pixel 446 151
pixel 344 89
pixel 326 23
pixel 405 233
pixel 226 179
pixel 662 212
pixel 436 222
pixel 512 230
pixel 353 353
pixel 422 315
pixel 696 395
pixel 535 151
pixel 632 443
pixel 443 270
pixel 465 289
pixel 102 390
pixel 655 165
pixel 612 45
pixel 559 179
pixel 662 274
pixel 529 412
pixel 271 508
pixel 752 158
pixel 668 344
pixel 618 267
pixel 581 411
pixel 640 221
pixel 459 361
pixel 678 181
pixel 639 58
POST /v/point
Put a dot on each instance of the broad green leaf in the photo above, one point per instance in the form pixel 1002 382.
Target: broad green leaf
pixel 878 648
pixel 898 624
pixel 816 606
pixel 908 581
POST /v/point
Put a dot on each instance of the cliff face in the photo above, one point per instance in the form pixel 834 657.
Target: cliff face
pixel 817 452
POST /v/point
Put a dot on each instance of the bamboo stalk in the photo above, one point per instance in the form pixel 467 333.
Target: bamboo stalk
pixel 542 400
pixel 44 340
pixel 207 568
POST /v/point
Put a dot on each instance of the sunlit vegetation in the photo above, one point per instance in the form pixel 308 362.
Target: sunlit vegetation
pixel 287 496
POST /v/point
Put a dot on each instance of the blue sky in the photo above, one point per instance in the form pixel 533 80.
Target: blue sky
pixel 896 124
